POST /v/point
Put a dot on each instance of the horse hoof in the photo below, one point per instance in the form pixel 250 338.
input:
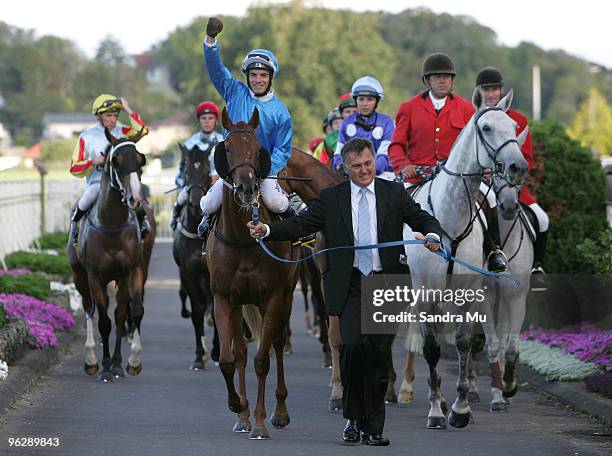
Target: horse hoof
pixel 326 366
pixel 242 426
pixel 390 397
pixel 335 405
pixel 406 397
pixel 91 369
pixel 472 420
pixel 458 420
pixel 444 408
pixel 280 421
pixel 288 350
pixel 197 366
pixel 259 433
pixel 106 377
pixel 185 313
pixel 497 407
pixel 436 422
pixel 473 396
pixel 512 392
pixel 134 370
pixel 117 371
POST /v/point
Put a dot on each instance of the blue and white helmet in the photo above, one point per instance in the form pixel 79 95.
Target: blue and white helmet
pixel 260 59
pixel 368 85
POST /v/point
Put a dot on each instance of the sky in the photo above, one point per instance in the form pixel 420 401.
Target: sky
pixel 581 28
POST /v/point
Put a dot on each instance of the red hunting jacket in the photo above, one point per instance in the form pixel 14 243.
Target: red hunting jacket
pixel 422 137
pixel 527 149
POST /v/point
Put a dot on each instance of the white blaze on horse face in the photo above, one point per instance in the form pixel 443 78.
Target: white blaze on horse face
pixel 90 345
pixel 135 187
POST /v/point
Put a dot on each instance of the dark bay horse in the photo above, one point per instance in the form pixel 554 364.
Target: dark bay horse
pixel 241 273
pixel 110 249
pixel 187 248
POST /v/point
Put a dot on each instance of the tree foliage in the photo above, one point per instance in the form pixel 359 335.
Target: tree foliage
pixel 592 124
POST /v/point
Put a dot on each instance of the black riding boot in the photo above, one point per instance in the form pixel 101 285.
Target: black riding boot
pixel 141 215
pixel 176 213
pixel 204 230
pixel 290 212
pixel 496 260
pixel 74 227
pixel 538 276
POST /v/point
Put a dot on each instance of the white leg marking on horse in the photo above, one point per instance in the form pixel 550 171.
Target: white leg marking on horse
pixel 461 407
pixel 90 345
pixel 206 356
pixel 134 359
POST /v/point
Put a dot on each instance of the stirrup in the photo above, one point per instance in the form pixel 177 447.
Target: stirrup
pixel 497 261
pixel 538 279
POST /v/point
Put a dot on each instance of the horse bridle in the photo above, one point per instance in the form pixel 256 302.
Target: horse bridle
pixel 244 162
pixel 115 181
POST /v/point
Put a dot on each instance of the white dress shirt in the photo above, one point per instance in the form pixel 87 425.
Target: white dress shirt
pixel 438 103
pixel 371 197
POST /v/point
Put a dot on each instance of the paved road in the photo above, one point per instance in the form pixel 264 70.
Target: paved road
pixel 168 410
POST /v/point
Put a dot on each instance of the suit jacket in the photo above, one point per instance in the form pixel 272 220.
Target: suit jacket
pixel 331 213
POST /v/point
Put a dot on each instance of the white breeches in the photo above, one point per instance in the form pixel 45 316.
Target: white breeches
pixel 182 197
pixel 543 220
pixel 491 198
pixel 273 197
pixel 89 197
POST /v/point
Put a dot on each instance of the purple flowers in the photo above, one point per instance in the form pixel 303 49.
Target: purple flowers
pixel 42 317
pixel 15 272
pixel 585 341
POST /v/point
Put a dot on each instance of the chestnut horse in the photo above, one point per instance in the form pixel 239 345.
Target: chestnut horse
pixel 110 249
pixel 187 248
pixel 241 273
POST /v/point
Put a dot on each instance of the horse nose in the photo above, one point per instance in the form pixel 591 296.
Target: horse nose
pixel 516 173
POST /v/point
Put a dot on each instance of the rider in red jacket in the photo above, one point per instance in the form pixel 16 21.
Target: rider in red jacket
pixel 427 125
pixel 490 82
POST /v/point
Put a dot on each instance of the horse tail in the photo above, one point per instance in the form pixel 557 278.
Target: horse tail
pixel 253 319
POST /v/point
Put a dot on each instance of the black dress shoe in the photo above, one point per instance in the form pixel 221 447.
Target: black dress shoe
pixel 351 432
pixel 497 261
pixel 374 440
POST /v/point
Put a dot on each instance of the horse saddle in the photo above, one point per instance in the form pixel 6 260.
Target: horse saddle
pixel 529 221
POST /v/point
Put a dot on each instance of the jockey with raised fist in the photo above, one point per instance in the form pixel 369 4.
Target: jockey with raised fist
pixel 274 132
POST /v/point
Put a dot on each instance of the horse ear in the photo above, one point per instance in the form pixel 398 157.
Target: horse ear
pixel 111 139
pixel 135 138
pixel 141 159
pixel 505 102
pixel 183 150
pixel 254 120
pixel 477 99
pixel 523 136
pixel 225 119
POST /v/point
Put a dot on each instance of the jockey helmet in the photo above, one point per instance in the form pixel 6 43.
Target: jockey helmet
pixel 438 64
pixel 346 101
pixel 260 59
pixel 207 107
pixel 333 115
pixel 488 77
pixel 106 103
pixel 367 85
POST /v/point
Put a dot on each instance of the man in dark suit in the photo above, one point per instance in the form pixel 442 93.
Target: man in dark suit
pixel 362 211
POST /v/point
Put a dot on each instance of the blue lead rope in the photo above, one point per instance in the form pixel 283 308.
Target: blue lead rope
pixel 444 252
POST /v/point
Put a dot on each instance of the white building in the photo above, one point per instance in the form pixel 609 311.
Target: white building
pixel 66 124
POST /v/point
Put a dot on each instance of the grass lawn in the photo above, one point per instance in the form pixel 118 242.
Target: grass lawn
pixel 20 173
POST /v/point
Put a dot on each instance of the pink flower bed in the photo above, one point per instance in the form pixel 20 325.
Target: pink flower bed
pixel 585 341
pixel 42 317
pixel 15 272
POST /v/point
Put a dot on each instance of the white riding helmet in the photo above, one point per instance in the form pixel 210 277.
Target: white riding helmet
pixel 368 85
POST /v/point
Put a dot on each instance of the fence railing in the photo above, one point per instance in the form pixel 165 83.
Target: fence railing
pixel 24 209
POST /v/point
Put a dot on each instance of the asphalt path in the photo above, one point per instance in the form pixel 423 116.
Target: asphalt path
pixel 169 410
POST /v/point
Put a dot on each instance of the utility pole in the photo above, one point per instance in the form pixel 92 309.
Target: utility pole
pixel 537 93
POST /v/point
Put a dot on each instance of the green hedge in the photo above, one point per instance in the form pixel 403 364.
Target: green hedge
pixel 51 264
pixel 55 240
pixel 2 317
pixel 35 285
pixel 571 187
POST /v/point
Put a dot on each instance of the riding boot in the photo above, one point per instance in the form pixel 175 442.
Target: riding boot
pixel 176 213
pixel 497 261
pixel 141 215
pixel 74 227
pixel 204 230
pixel 538 276
pixel 290 212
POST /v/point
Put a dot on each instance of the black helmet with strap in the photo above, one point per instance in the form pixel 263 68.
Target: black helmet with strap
pixel 488 77
pixel 438 63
